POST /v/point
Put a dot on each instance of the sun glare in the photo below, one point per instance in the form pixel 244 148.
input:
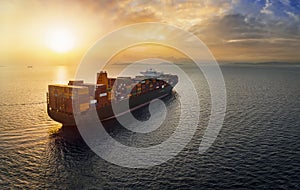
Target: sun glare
pixel 60 40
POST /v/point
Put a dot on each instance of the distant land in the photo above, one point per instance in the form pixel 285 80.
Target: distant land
pixel 270 63
pixel 183 61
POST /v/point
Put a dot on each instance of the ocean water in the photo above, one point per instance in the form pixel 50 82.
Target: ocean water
pixel 257 147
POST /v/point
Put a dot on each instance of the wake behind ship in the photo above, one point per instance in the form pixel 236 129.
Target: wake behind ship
pixel 64 101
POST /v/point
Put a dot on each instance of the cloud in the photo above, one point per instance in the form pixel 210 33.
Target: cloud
pixel 285 2
pixel 223 25
pixel 265 9
pixel 248 41
pixel 293 16
pixel 228 24
pixel 254 37
pixel 178 12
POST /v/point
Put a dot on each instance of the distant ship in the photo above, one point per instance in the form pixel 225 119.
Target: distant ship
pixel 65 101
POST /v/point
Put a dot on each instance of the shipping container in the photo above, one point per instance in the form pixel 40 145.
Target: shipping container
pixel 91 88
pixel 111 82
pixel 101 88
pixel 69 107
pixel 67 90
pixel 75 82
pixel 62 97
pixel 109 95
pixel 84 107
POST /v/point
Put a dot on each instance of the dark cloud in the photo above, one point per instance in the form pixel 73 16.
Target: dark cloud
pixel 251 38
pixel 239 26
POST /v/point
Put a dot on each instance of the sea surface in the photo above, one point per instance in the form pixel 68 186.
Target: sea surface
pixel 258 146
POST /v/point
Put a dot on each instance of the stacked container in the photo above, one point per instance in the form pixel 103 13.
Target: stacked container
pixel 67 98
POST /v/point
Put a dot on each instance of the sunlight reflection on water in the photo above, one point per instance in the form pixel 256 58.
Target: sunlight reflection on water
pixel 61 75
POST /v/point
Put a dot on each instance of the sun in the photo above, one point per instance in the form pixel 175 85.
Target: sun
pixel 60 40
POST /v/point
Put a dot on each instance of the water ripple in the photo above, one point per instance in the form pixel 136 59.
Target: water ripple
pixel 257 148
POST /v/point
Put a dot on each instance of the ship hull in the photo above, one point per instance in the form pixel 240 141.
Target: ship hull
pixel 106 113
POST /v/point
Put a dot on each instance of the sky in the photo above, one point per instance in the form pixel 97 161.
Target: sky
pixel 233 30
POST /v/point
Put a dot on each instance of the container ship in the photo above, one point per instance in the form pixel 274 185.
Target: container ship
pixel 123 93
